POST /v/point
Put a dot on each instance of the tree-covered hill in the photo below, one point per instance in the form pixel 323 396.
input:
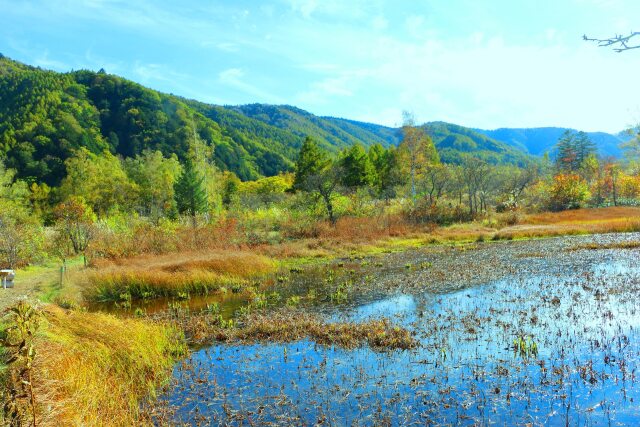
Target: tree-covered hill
pixel 332 134
pixel 452 141
pixel 45 116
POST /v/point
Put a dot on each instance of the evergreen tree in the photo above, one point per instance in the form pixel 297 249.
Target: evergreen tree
pixel 311 161
pixel 388 173
pixel 566 157
pixel 357 168
pixel 585 148
pixel 573 150
pixel 230 189
pixel 190 193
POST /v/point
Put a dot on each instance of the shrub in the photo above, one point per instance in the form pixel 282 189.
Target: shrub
pixel 568 191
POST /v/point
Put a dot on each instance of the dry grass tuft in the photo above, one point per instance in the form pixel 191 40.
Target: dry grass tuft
pixel 367 228
pixel 96 369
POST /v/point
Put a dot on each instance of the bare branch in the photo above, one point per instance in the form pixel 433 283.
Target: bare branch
pixel 618 42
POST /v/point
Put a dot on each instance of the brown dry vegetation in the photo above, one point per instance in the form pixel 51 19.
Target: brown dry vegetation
pixel 96 369
pixel 578 216
pixel 287 325
pixel 171 274
pixel 615 245
pixel 581 221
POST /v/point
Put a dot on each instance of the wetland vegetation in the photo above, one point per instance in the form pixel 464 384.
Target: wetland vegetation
pixel 529 333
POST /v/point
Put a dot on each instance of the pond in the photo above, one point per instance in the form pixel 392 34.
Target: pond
pixel 518 333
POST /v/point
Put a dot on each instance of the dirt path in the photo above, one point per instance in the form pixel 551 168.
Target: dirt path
pixel 30 283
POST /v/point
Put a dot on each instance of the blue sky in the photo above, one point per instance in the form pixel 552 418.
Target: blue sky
pixel 488 64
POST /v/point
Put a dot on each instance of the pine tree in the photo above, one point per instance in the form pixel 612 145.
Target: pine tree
pixel 357 168
pixel 190 193
pixel 585 148
pixel 311 161
pixel 573 150
pixel 567 156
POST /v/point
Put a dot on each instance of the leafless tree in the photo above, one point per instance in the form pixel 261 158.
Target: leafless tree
pixel 477 175
pixel 619 43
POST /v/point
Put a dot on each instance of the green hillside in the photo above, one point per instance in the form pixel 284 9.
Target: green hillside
pixel 331 134
pixel 45 116
pixel 453 141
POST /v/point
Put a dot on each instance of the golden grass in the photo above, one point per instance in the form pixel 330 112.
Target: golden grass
pixel 585 216
pixel 95 369
pixel 367 228
pixel 341 243
pixel 175 274
pixel 617 245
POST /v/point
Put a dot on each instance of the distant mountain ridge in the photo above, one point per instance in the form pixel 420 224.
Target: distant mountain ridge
pixel 537 141
pixel 45 116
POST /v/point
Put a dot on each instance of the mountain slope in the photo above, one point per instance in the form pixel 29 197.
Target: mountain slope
pixel 332 134
pixel 335 133
pixel 453 140
pixel 45 116
pixel 537 141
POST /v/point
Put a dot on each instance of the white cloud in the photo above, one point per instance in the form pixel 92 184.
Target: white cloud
pixel 231 75
pixel 415 25
pixel 234 78
pixel 304 7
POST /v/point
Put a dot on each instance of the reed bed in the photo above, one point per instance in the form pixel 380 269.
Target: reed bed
pixel 615 245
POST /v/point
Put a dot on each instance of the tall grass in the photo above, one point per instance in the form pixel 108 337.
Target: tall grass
pixel 174 275
pixel 95 369
pixel 585 216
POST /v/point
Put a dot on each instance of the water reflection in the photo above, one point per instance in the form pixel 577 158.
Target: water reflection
pixel 583 321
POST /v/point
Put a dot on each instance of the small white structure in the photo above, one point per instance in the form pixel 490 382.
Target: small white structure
pixel 7 278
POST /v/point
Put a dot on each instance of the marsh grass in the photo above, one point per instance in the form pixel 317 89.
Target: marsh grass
pixel 616 245
pixel 288 325
pixel 97 369
pixel 177 275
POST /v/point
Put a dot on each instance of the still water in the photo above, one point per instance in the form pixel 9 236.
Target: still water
pixel 555 345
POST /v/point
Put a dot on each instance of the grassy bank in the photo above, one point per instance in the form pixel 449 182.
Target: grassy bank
pixel 366 237
pixel 96 369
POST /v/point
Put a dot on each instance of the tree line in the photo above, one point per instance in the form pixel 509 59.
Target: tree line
pixel 409 180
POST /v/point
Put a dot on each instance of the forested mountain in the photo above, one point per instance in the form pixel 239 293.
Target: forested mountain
pixel 537 141
pixel 331 133
pixel 453 140
pixel 45 116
